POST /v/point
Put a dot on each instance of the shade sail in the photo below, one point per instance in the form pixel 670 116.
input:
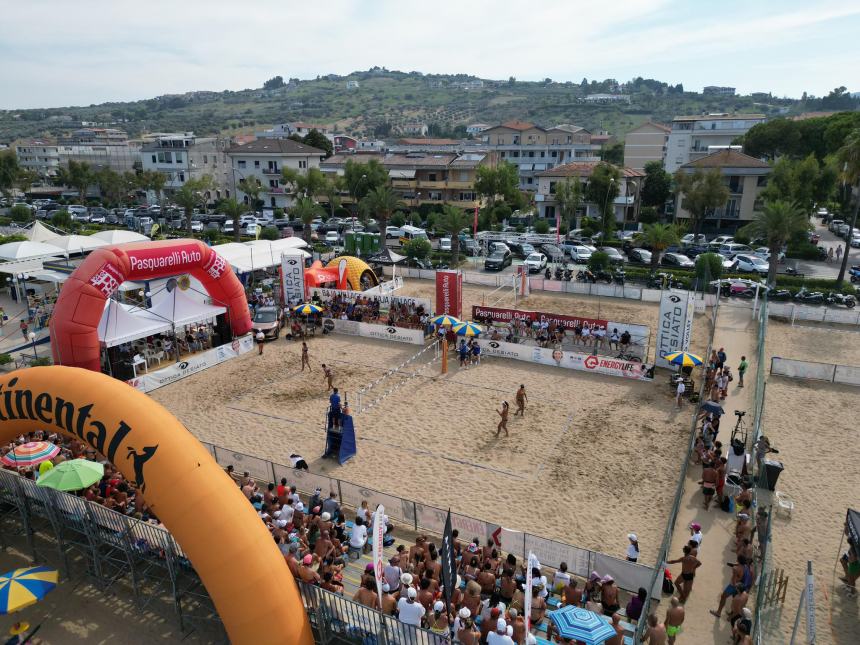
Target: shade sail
pixel 27 250
pixel 77 243
pixel 119 236
pixel 178 309
pixel 119 325
pixel 260 254
pixel 38 232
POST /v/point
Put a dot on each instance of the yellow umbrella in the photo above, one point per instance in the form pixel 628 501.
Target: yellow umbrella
pixel 445 320
pixel 466 329
pixel 23 587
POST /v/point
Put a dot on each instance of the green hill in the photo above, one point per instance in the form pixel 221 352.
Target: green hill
pixel 385 100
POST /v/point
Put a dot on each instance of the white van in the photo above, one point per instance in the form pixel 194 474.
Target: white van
pixel 408 232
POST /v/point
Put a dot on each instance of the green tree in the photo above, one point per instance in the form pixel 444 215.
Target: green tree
pixel 702 194
pixel 78 175
pixel 306 210
pixel 192 195
pixel 234 210
pixel 318 140
pixel 613 153
pixel 709 267
pixel 417 248
pixel 332 189
pixel 648 215
pixel 62 219
pixel 9 170
pixel 603 187
pixel 252 187
pixel 849 156
pixel 499 182
pixel 269 233
pixel 452 220
pixel 361 178
pixel 599 261
pixel 794 180
pixel 381 202
pixel 398 219
pixel 274 83
pixel 152 180
pixel 541 226
pixel 568 196
pixel 25 179
pixel 659 237
pixel 656 186
pixel 20 214
pixel 777 223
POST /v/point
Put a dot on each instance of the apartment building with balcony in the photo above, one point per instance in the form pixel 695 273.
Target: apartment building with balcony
pixel 534 149
pixel 184 156
pixel 264 159
pixel 694 137
pixel 100 148
pixel 745 176
pixel 423 178
pixel 41 156
pixel 645 143
pixel 625 205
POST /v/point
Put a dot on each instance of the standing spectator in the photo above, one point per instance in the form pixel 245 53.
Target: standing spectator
pixel 632 548
pixel 674 619
pixel 331 506
pixel 24 329
pixel 261 339
pixel 679 392
pixel 838 253
pixel 409 611
pixel 742 368
pixel 721 358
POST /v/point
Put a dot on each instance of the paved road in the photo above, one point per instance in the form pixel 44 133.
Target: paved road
pixel 825 269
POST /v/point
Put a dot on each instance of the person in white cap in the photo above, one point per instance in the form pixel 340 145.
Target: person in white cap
pixel 460 618
pixel 405 584
pixel 439 621
pixel 465 629
pixel 632 548
pixel 389 600
pixel 500 636
pixel 279 522
pixel 408 610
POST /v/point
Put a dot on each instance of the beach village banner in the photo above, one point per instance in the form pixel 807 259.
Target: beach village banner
pixel 502 315
pixel 570 360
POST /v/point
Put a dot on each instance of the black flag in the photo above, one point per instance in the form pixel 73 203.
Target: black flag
pixel 449 562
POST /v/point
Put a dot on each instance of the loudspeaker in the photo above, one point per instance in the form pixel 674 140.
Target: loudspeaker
pixel 221 334
pixel 123 370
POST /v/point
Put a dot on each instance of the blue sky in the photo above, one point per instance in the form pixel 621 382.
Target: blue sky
pixel 56 52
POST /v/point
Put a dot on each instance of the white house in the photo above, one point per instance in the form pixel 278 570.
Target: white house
pixel 184 156
pixel 694 137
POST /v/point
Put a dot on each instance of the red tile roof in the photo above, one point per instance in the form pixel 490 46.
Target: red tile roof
pixel 518 125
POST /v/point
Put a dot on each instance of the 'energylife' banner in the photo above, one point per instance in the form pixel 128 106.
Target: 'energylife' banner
pixel 675 324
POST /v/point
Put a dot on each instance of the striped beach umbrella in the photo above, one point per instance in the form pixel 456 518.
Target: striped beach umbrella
pixel 23 587
pixel 75 474
pixel 30 454
pixel 307 309
pixel 445 320
pixel 466 329
pixel 576 623
pixel 684 359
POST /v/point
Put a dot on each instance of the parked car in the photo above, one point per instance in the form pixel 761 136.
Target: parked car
pixel 580 254
pixel 197 226
pixel 676 260
pixel 521 249
pixel 493 247
pixel 690 239
pixel 720 240
pixel 639 256
pixel 625 235
pixel 745 263
pixel 855 241
pixel 445 244
pixel 470 247
pixel 729 250
pixel 615 256
pixel 552 252
pixel 392 232
pixel 498 260
pixel 332 238
pixel 764 253
pixel 535 262
pixel 268 320
pixel 78 212
pixel 834 224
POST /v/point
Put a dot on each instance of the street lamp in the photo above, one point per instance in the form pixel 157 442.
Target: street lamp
pixel 32 337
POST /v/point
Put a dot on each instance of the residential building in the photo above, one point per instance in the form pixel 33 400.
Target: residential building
pixel 42 156
pixel 344 143
pixel 352 85
pixel 300 128
pixel 183 156
pixel 415 129
pixel 625 205
pixel 716 90
pixel 425 144
pixel 534 149
pixel 422 178
pixel 264 159
pixel 100 148
pixel 745 176
pixel 645 143
pixel 692 136
pixel 607 98
pixel 475 129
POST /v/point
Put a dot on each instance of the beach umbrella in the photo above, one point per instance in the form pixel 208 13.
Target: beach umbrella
pixel 307 309
pixel 76 474
pixel 466 329
pixel 713 408
pixel 684 359
pixel 576 623
pixel 30 454
pixel 445 320
pixel 23 587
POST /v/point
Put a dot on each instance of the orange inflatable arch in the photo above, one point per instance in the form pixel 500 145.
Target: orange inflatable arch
pixel 76 316
pixel 231 550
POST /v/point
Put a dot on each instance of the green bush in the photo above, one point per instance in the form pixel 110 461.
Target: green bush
pixel 803 251
pixel 269 233
pixel 5 359
pixel 648 215
pixel 5 239
pixel 41 362
pixel 741 237
pixel 278 213
pixel 598 261
pixel 61 219
pixel 398 219
pixel 417 249
pixel 20 214
pixel 541 226
pixel 709 266
pixel 415 219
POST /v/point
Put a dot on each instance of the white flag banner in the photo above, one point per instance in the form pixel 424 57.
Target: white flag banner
pixel 527 610
pixel 378 536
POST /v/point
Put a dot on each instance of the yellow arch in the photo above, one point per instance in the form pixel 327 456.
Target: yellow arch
pixel 231 550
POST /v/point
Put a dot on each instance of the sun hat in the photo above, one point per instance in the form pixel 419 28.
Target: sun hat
pixel 509 630
pixel 326 516
pixel 501 625
pixel 607 578
pixel 411 592
pixel 308 559
pixel 406 578
pixel 695 526
pixel 438 605
pixel 19 628
pixel 465 613
pixel 300 506
pixel 632 537
pixel 385 587
pixel 594 576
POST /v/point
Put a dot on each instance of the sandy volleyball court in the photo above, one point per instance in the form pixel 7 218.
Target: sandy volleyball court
pixel 595 458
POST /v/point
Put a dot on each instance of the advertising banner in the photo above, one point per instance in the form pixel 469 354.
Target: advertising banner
pixel 503 315
pixel 385 300
pixel 178 258
pixel 449 286
pixel 293 277
pixel 561 358
pixel 449 561
pixel 675 324
pixel 368 330
pixel 197 363
pixel 378 535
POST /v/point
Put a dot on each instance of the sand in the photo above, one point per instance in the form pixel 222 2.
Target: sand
pixel 812 426
pixel 589 441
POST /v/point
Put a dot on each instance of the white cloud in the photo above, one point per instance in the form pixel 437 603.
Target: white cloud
pixel 62 53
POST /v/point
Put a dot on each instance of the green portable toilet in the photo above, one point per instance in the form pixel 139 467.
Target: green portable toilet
pixel 370 244
pixel 350 242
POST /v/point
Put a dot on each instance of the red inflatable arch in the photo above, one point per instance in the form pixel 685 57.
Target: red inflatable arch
pixel 74 323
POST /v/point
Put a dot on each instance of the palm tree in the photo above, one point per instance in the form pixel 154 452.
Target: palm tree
pixel 777 223
pixel 568 196
pixel 381 202
pixel 191 195
pixel 252 187
pixel 233 209
pixel 849 155
pixel 332 189
pixel 452 220
pixel 659 237
pixel 306 210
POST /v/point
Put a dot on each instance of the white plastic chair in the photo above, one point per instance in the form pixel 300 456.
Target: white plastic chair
pixel 784 503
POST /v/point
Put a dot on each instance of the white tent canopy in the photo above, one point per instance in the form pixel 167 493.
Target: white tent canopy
pixel 77 243
pixel 119 236
pixel 119 325
pixel 38 232
pixel 28 250
pixel 177 309
pixel 259 254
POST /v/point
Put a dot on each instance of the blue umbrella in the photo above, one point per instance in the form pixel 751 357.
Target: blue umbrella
pixel 713 408
pixel 582 625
